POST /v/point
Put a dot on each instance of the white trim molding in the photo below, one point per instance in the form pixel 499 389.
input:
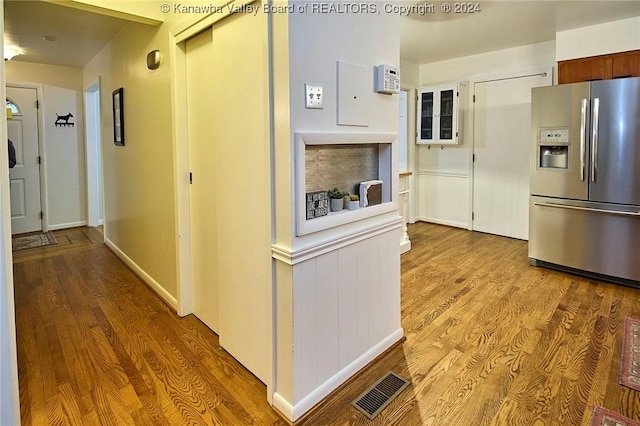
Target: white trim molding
pixel 68 225
pixel 293 257
pixel 146 278
pixel 294 411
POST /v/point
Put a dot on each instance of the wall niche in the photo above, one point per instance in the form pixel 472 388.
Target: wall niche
pixel 342 160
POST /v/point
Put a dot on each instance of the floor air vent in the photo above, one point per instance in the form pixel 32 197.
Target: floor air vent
pixel 378 396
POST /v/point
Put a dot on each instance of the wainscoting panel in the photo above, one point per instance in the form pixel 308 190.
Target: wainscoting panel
pixel 443 198
pixel 346 309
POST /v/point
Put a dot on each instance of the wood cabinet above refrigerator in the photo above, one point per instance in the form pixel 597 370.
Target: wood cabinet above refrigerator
pixel 603 67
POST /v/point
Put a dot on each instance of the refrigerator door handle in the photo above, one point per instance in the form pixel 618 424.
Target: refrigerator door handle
pixel 594 139
pixel 583 137
pixel 589 209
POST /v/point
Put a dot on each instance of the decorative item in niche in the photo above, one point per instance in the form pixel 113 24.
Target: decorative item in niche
pixel 354 202
pixel 63 120
pixel 118 117
pixel 370 193
pixel 317 204
pixel 337 199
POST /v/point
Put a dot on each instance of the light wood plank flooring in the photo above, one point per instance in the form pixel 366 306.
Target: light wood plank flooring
pixel 489 341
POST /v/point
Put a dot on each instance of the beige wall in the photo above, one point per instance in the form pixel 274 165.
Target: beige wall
pixel 610 37
pixel 409 75
pixel 139 195
pixel 140 191
pixel 50 75
pixel 64 150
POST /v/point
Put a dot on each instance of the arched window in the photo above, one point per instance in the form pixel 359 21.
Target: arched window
pixel 13 107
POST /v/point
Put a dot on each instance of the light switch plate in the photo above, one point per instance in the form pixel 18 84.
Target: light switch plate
pixel 314 96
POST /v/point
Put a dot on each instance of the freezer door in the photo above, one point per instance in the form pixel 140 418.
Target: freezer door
pixel 593 237
pixel 615 146
pixel 559 164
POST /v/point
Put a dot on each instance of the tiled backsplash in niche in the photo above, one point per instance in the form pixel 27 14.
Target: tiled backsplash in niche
pixel 340 166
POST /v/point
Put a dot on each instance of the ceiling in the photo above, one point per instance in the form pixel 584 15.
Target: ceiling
pixel 428 37
pixel 498 25
pixel 79 35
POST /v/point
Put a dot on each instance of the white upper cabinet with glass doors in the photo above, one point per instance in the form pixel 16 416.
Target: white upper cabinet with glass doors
pixel 439 114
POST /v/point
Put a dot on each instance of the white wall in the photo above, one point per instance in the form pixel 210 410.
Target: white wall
pixel 9 393
pixel 64 152
pixel 610 37
pixel 338 289
pixel 340 38
pixel 64 166
pixel 443 176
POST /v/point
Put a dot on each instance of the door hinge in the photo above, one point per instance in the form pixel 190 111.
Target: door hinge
pixel 473 215
pixel 190 178
pixel 39 160
pixel 41 215
pixel 474 99
pixel 37 104
pixel 473 158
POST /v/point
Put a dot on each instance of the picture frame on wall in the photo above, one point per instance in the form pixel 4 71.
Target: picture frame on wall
pixel 118 117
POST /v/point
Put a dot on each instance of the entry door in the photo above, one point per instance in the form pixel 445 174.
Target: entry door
pixel 202 160
pixel 24 178
pixel 501 129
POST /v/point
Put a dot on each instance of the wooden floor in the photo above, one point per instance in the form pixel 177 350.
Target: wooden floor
pixel 489 341
pixel 97 347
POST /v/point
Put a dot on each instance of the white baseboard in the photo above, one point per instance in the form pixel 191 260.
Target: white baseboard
pixel 442 222
pixel 405 246
pixel 294 412
pixel 58 226
pixel 153 284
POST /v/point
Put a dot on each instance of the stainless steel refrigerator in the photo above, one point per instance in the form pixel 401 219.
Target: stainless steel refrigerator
pixel 585 179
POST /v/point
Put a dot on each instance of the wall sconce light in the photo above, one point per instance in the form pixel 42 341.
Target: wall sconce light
pixel 10 52
pixel 153 59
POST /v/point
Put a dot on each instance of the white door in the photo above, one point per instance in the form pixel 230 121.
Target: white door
pixel 502 117
pixel 24 178
pixel 230 194
pixel 202 154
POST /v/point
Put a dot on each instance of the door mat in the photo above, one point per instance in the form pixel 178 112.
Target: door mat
pixel 603 417
pixel 630 363
pixel 22 242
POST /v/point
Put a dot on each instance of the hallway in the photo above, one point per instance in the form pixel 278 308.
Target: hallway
pixel 96 346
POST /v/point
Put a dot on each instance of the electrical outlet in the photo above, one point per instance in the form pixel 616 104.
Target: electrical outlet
pixel 314 98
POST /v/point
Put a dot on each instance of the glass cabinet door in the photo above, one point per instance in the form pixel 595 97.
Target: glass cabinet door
pixel 446 115
pixel 426 117
pixel 437 115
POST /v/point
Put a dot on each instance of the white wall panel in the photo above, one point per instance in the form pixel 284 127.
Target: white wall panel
pixel 305 327
pixel 345 302
pixel 443 198
pixel 347 316
pixel 327 296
